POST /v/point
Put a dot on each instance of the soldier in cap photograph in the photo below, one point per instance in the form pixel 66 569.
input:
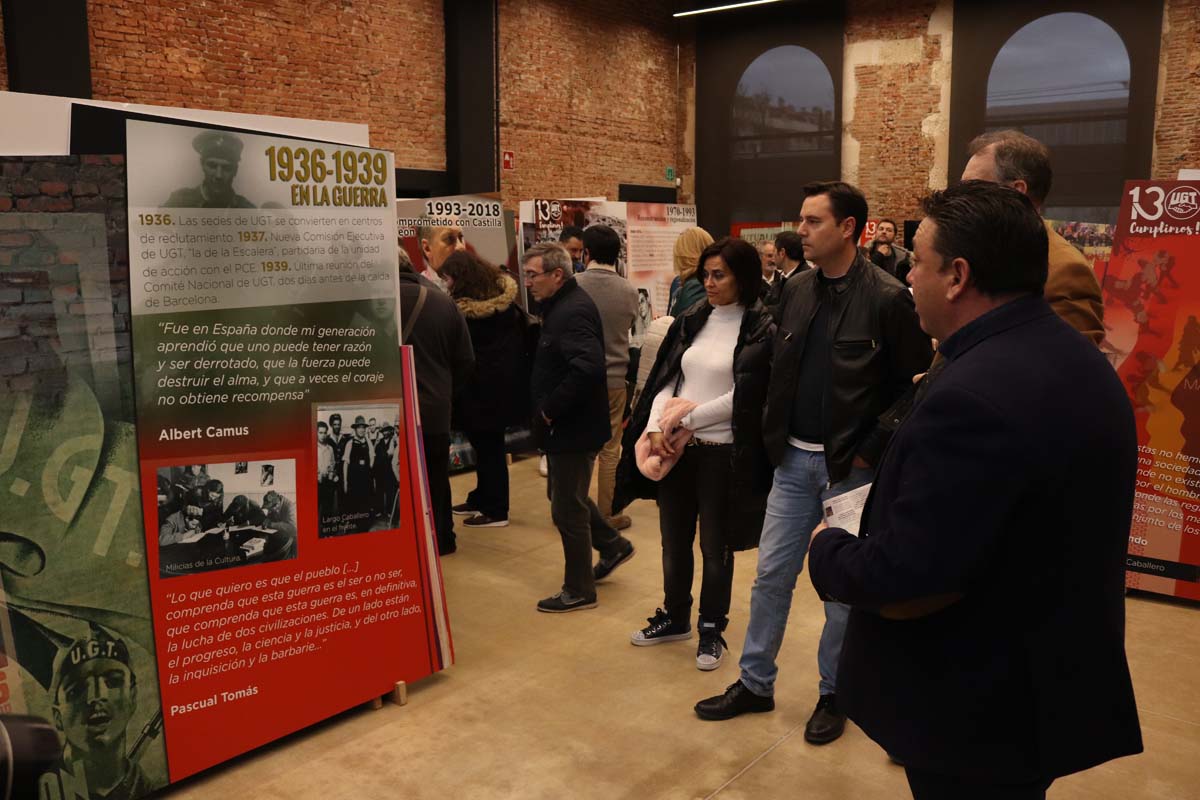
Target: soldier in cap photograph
pixel 220 154
pixel 94 696
pixel 340 441
pixel 358 463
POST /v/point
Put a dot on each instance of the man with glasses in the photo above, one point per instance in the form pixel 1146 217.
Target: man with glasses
pixel 569 387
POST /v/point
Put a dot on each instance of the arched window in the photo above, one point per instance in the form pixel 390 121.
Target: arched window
pixel 768 111
pixel 1079 77
pixel 783 106
pixel 1064 80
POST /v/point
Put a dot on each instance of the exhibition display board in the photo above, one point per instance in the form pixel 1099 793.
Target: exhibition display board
pixel 488 232
pixel 759 232
pixel 1152 316
pixel 648 232
pixel 187 539
pixel 481 218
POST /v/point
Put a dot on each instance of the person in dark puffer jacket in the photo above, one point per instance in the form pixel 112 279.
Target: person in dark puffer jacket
pixel 495 397
pixel 716 389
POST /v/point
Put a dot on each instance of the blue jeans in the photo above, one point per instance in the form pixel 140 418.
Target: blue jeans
pixel 793 509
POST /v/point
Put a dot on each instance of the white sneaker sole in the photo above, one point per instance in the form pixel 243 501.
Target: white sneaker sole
pixel 674 637
pixel 707 667
pixel 463 513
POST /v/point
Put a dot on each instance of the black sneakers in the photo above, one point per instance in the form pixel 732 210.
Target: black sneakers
pixel 484 521
pixel 737 700
pixel 711 651
pixel 605 566
pixel 462 510
pixel 563 602
pixel 661 629
pixel 826 723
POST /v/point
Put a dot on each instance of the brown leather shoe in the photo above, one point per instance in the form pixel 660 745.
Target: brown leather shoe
pixel 619 523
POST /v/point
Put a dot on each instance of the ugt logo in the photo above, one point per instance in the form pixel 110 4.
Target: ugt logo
pixel 1183 203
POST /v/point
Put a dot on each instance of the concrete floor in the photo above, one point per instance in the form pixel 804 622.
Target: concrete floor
pixel 543 705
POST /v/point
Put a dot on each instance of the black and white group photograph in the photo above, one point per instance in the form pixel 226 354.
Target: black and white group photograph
pixel 358 468
pixel 218 516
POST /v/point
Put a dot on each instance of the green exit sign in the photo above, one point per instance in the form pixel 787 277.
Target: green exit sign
pixel 670 173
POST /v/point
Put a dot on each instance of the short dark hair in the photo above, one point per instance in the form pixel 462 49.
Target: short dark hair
pixel 791 244
pixel 1018 157
pixel 845 200
pixel 742 260
pixel 602 243
pixel 891 222
pixel 571 232
pixel 214 486
pixel 997 230
pixel 472 277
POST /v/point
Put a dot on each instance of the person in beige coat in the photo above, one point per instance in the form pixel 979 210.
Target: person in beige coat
pixel 1013 159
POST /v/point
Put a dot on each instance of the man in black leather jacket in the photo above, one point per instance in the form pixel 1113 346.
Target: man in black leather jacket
pixel 847 346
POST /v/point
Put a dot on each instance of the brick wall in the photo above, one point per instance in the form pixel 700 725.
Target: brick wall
pixel 896 102
pixel 64 275
pixel 1177 120
pixel 588 96
pixel 347 60
pixel 685 111
pixel 896 99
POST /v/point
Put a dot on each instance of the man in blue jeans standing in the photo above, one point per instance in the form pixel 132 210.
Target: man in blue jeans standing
pixel 847 347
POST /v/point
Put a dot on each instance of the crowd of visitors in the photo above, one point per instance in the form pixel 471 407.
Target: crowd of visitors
pixel 939 387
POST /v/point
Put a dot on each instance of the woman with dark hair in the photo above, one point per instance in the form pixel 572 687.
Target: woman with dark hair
pixel 709 382
pixel 497 396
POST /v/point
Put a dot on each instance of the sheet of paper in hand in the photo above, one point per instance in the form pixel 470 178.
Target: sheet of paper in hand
pixel 845 510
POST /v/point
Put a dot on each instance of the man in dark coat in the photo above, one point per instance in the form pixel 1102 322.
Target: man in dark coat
pixel 569 389
pixel 443 360
pixel 986 644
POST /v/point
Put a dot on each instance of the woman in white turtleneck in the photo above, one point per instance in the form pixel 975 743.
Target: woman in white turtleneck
pixel 710 378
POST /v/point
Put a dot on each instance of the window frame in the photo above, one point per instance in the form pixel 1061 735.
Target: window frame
pixel 726 45
pixel 980 32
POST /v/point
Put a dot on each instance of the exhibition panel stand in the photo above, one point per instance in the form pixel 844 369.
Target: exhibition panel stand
pixel 181 524
pixel 1152 317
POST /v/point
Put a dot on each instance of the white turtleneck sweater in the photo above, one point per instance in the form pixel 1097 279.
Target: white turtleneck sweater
pixel 707 378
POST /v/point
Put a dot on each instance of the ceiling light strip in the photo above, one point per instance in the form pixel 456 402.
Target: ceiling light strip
pixel 724 7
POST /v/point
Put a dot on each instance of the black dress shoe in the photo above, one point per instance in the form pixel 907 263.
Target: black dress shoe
pixel 605 566
pixel 826 723
pixel 737 700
